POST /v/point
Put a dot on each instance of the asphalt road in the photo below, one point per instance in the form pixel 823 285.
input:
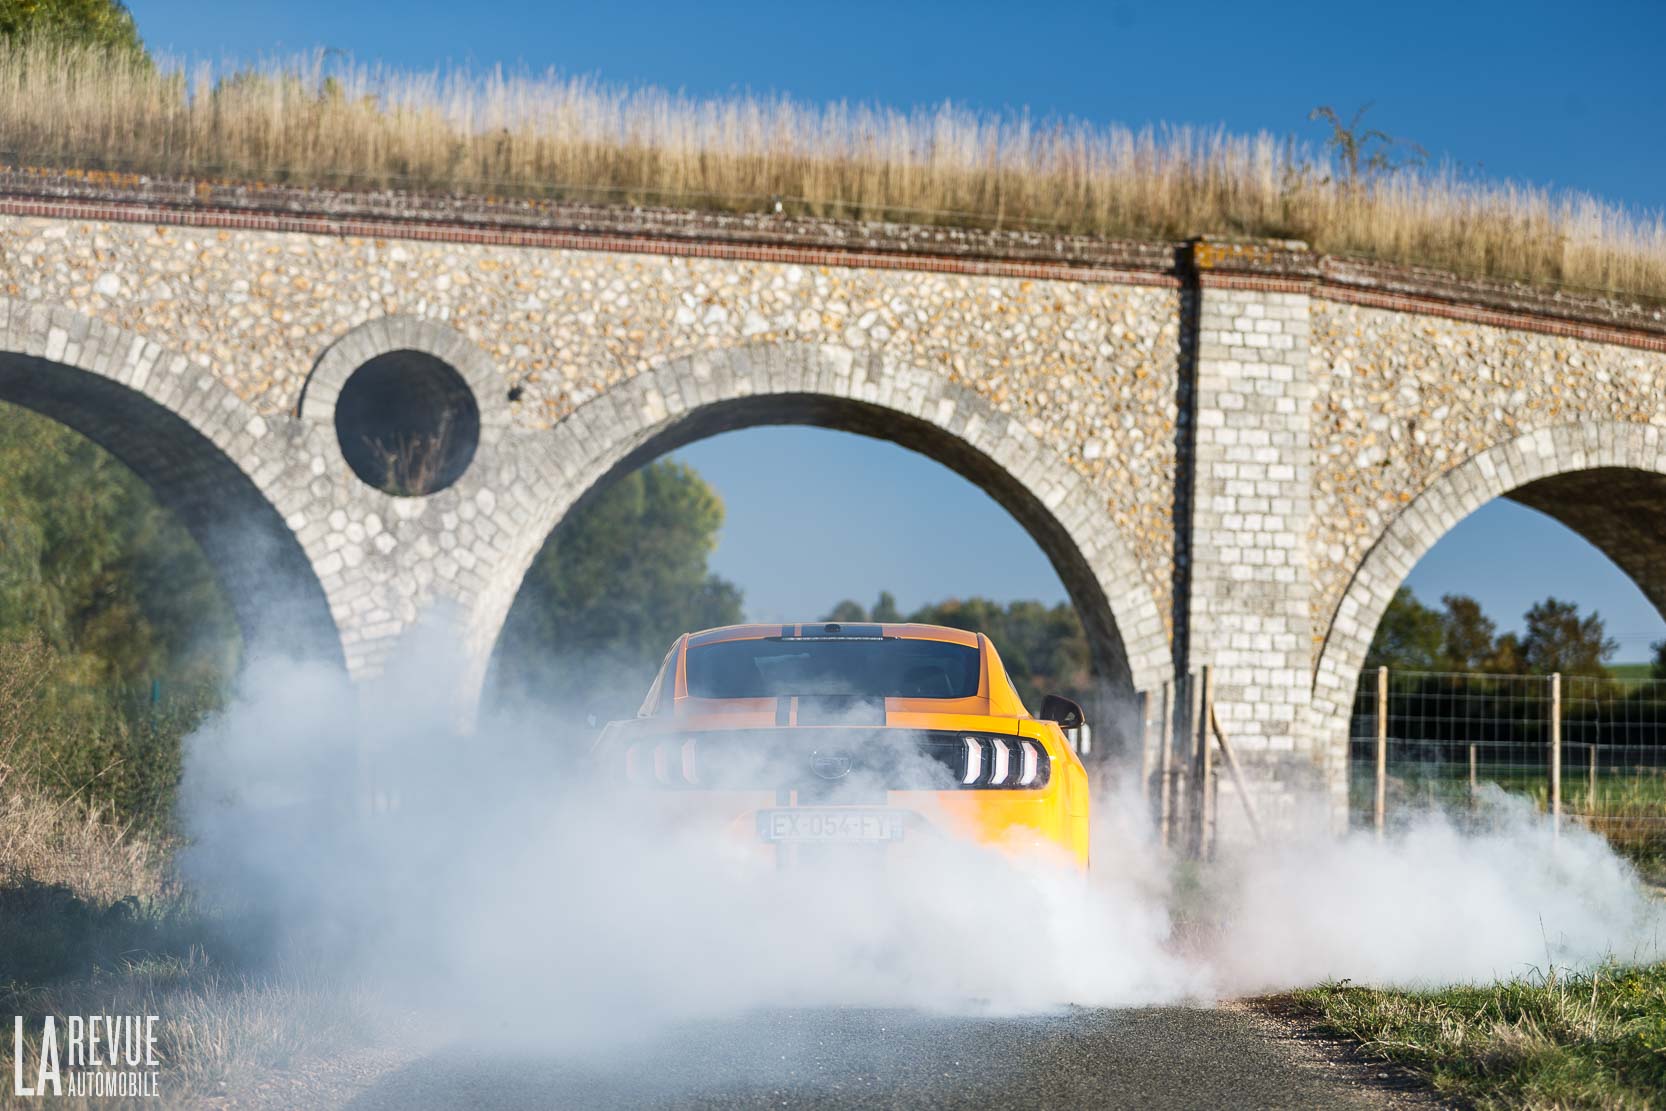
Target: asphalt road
pixel 1147 1058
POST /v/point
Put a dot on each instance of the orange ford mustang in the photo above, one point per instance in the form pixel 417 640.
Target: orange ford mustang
pixel 803 737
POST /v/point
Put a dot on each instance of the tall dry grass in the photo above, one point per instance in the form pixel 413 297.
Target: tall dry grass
pixel 54 840
pixel 311 121
pixel 92 921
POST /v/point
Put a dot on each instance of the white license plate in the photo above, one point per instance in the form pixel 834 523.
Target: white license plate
pixel 830 825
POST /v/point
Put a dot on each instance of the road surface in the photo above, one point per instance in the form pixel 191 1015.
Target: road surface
pixel 1144 1058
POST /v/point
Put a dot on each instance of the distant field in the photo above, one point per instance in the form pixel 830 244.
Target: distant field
pixel 1631 671
pixel 308 122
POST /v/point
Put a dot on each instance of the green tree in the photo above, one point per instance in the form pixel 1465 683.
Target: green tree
pixel 1410 635
pixel 1508 656
pixel 101 592
pixel 93 565
pixel 622 578
pixel 1558 639
pixel 1044 648
pixel 1658 667
pixel 102 24
pixel 1469 638
pixel 848 612
pixel 884 610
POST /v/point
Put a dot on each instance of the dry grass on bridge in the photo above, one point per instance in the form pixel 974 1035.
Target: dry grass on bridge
pixel 345 126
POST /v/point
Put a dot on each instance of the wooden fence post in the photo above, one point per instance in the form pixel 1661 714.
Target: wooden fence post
pixel 1144 699
pixel 1379 812
pixel 1185 715
pixel 1165 766
pixel 1591 783
pixel 1238 780
pixel 1556 752
pixel 1474 778
pixel 1202 761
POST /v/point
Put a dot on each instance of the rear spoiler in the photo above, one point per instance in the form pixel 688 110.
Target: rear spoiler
pixel 832 630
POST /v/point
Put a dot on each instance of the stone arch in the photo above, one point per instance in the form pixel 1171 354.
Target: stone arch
pixel 207 456
pixel 1556 470
pixel 700 395
pixel 403 332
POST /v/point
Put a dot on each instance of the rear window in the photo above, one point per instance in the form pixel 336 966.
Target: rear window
pixel 891 668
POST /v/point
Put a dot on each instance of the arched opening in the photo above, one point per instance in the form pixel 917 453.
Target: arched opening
pixel 267 579
pixel 1507 628
pixel 138 567
pixel 1068 548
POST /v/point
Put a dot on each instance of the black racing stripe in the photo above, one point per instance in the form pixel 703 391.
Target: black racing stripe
pixel 841 710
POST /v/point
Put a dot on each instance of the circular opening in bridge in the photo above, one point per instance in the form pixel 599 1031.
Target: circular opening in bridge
pixel 408 423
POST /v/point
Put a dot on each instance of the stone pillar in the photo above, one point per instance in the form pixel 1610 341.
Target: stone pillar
pixel 1248 612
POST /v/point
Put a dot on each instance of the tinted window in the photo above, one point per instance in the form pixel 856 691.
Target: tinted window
pixel 891 668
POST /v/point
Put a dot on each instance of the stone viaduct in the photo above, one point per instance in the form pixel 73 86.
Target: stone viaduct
pixel 1233 453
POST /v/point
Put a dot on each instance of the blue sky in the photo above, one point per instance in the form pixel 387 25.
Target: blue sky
pixel 1553 94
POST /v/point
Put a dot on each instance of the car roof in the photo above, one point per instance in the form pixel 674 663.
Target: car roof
pixel 835 630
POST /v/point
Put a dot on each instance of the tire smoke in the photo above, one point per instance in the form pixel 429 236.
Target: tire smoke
pixel 482 877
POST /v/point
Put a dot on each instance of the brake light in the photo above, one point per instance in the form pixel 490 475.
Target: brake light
pixel 1003 764
pixel 1031 762
pixel 667 763
pixel 1006 762
pixel 974 761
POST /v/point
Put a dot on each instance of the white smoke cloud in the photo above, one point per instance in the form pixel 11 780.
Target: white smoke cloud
pixel 483 875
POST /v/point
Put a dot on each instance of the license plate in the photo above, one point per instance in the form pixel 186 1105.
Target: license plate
pixel 830 825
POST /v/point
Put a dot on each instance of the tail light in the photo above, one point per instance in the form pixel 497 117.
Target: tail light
pixel 667 763
pixel 974 761
pixel 1004 762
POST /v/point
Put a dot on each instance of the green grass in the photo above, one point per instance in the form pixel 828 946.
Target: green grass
pixel 1631 672
pixel 1549 1041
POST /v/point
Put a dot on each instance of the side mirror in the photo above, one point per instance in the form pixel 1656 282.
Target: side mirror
pixel 1057 708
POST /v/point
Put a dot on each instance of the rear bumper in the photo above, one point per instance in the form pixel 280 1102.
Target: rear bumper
pixel 1017 823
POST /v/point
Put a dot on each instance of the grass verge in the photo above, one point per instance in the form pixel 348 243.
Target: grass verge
pixel 93 921
pixel 76 943
pixel 1561 1041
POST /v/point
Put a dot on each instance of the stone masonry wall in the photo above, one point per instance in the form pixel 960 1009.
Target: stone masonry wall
pixel 1330 442
pixel 1088 366
pixel 1402 398
pixel 1249 603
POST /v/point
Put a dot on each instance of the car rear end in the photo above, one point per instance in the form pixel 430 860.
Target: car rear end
pixel 809 740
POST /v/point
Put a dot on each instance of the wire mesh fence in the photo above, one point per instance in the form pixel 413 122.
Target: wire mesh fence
pixel 1585 749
